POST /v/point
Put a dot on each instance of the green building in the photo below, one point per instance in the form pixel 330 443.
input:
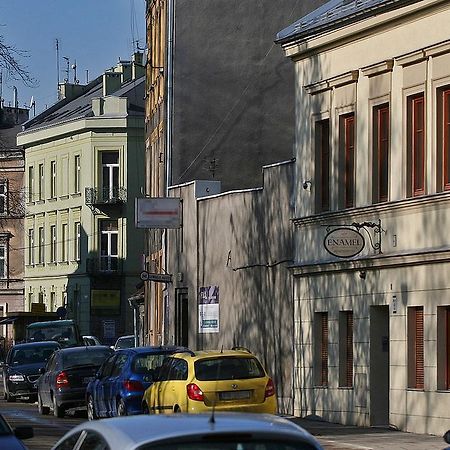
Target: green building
pixel 84 161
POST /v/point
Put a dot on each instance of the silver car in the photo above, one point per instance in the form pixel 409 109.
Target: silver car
pixel 230 431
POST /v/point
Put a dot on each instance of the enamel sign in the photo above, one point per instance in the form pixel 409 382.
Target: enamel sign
pixel 344 242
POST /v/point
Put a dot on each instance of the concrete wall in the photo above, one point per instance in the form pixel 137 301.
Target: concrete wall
pixel 241 242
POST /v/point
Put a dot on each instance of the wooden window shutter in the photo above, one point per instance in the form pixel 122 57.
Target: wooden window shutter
pixel 446 137
pixel 447 348
pixel 349 130
pixel 324 350
pixel 419 347
pixel 349 350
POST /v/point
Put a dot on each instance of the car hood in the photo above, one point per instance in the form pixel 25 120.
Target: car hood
pixel 11 442
pixel 26 369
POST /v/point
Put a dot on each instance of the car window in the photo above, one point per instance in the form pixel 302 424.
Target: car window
pixel 127 342
pixel 69 443
pixel 51 363
pixel 85 356
pixel 105 370
pixel 228 368
pixel 165 369
pixel 145 364
pixel 178 370
pixel 121 360
pixel 94 441
pixel 231 443
pixel 32 354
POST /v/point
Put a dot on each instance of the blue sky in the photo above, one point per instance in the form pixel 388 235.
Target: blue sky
pixel 95 33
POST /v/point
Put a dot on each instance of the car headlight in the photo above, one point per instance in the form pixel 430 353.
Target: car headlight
pixel 16 377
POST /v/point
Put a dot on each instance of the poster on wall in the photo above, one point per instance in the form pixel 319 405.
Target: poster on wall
pixel 208 309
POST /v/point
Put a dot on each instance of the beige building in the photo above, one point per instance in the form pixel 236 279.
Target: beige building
pixel 84 168
pixel 372 331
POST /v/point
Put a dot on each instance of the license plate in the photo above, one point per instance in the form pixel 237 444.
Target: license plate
pixel 234 395
pixel 87 380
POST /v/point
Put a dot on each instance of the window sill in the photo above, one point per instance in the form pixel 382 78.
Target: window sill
pixel 52 199
pixel 321 386
pixel 40 202
pixel 39 265
pixel 65 263
pixel 443 391
pixel 52 263
pixel 75 194
pixel 346 388
pixel 29 266
pixel 415 389
pixel 64 197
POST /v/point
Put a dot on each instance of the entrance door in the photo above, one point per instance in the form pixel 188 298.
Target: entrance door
pixel 379 365
pixel 181 317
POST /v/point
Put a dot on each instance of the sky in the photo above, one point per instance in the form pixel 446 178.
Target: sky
pixel 94 33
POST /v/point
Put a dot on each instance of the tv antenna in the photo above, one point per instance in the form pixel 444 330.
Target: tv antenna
pixel 67 70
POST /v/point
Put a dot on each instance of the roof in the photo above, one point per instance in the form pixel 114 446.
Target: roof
pixel 128 432
pixel 335 14
pixel 80 107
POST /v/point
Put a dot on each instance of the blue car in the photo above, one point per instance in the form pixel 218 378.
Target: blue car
pixel 120 383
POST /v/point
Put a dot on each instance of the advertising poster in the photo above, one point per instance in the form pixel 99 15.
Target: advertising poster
pixel 208 309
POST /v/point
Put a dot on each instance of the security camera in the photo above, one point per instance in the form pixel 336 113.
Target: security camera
pixel 305 184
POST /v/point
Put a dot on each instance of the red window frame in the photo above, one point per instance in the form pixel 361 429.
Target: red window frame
pixel 416 144
pixel 349 155
pixel 381 152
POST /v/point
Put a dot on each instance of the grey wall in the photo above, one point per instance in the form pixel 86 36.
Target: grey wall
pixel 233 89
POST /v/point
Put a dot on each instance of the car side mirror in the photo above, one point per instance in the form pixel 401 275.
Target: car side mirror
pixel 42 370
pixel 24 432
pixel 447 437
pixel 98 375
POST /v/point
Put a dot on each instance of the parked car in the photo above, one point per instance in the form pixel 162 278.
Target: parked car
pixel 124 342
pixel 91 340
pixel 184 432
pixel 65 332
pixel 21 368
pixel 10 439
pixel 121 381
pixel 227 380
pixel 66 375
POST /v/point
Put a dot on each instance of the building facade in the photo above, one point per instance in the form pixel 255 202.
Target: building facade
pixel 219 103
pixel 84 168
pixel 372 151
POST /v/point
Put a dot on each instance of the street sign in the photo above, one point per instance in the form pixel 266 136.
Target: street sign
pixel 157 277
pixel 164 212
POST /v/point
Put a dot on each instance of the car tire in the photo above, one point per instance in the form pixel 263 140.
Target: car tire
pixel 121 408
pixel 145 409
pixel 43 410
pixel 92 415
pixel 58 411
pixel 10 398
pixel 177 409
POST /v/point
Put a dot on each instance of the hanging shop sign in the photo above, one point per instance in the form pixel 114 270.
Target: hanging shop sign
pixel 344 242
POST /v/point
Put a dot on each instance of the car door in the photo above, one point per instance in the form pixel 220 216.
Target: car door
pixel 105 372
pixel 114 383
pixel 175 390
pixel 45 380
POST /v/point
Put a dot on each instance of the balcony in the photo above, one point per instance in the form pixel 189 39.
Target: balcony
pixel 105 196
pixel 104 266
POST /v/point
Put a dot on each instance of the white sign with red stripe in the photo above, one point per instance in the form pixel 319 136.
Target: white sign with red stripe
pixel 164 212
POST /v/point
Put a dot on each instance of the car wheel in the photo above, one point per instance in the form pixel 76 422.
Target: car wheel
pixel 121 408
pixel 10 398
pixel 92 415
pixel 44 410
pixel 58 411
pixel 145 409
pixel 177 409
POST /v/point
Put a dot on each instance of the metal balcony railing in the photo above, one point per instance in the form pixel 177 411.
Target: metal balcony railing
pixel 105 196
pixel 104 265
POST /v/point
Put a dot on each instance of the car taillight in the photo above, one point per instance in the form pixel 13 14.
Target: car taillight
pixel 270 389
pixel 133 386
pixel 194 392
pixel 62 380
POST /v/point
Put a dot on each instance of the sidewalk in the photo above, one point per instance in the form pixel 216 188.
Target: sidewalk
pixel 335 436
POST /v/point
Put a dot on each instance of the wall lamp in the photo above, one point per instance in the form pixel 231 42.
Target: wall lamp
pixel 306 184
pixel 362 274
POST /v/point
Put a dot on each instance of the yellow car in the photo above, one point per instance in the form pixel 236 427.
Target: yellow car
pixel 195 382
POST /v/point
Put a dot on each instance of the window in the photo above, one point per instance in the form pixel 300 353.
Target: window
pixel 415 348
pixel 53 179
pixel 110 174
pixel 346 349
pixel 3 197
pixel 77 242
pixel 322 151
pixel 3 260
pixel 64 242
pixel 443 139
pixel 321 348
pixel 31 246
pixel 108 245
pixel 416 145
pixel 347 159
pixel 380 165
pixel 41 182
pixel 77 178
pixel 41 244
pixel 52 301
pixel 443 347
pixel 53 243
pixel 30 183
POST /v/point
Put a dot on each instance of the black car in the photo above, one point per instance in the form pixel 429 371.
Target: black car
pixel 21 368
pixel 65 377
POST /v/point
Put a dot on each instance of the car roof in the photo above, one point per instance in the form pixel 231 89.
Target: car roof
pixel 87 348
pixel 152 349
pixel 36 344
pixel 128 432
pixel 129 336
pixel 200 354
pixel 50 323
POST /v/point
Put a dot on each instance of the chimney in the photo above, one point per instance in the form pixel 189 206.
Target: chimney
pixel 138 69
pixel 111 82
pixel 70 90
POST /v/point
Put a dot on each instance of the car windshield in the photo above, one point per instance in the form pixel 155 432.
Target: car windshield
pixel 228 368
pixel 32 354
pixel 146 363
pixel 244 442
pixel 62 334
pixel 126 342
pixel 85 356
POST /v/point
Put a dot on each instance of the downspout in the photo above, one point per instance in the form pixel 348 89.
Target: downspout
pixel 169 127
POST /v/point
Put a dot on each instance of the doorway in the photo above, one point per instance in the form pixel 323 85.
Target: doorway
pixel 379 365
pixel 181 317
